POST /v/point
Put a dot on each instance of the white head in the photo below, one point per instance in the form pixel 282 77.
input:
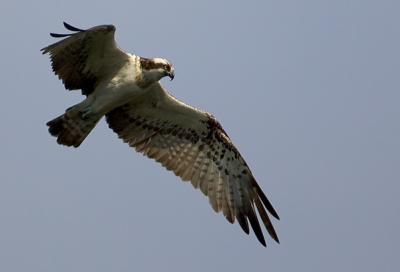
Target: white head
pixel 157 68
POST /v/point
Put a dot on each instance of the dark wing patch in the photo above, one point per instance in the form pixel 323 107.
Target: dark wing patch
pixel 79 60
pixel 197 149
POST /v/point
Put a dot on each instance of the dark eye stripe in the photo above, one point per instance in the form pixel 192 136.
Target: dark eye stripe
pixel 149 64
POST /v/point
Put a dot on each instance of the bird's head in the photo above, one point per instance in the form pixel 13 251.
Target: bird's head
pixel 157 68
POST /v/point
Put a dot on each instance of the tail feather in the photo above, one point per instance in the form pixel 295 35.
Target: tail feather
pixel 71 128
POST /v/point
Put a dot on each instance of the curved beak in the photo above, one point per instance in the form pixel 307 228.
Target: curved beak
pixel 171 74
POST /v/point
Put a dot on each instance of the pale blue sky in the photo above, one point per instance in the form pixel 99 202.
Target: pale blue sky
pixel 308 90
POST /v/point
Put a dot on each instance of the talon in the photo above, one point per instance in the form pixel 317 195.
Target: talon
pixel 85 113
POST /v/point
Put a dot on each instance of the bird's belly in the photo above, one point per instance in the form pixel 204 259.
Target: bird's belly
pixel 108 98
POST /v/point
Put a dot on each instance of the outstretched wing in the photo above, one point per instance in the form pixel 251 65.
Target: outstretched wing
pixel 193 145
pixel 85 57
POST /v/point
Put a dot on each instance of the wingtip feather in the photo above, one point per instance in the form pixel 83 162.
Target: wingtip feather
pixel 265 218
pixel 56 35
pixel 243 223
pixel 255 225
pixel 265 201
pixel 72 28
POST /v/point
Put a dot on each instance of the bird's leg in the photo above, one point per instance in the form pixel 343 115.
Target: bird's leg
pixel 84 109
pixel 85 113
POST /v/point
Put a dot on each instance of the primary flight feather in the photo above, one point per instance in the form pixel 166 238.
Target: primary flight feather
pixel 125 89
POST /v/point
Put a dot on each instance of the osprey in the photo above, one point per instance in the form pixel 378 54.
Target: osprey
pixel 125 89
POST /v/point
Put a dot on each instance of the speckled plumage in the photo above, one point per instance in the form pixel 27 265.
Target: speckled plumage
pixel 189 142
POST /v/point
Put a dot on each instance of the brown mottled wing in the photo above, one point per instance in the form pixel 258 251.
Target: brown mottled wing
pixel 193 145
pixel 84 58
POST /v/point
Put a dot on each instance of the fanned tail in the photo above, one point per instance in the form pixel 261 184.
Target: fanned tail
pixel 72 128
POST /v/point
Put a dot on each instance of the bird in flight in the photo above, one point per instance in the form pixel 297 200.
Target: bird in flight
pixel 125 88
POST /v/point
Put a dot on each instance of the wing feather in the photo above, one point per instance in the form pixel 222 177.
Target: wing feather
pixel 70 27
pixel 84 58
pixel 193 145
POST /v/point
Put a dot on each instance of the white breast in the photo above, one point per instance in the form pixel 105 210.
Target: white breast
pixel 119 89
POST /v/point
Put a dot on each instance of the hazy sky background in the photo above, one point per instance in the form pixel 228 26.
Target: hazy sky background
pixel 308 90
